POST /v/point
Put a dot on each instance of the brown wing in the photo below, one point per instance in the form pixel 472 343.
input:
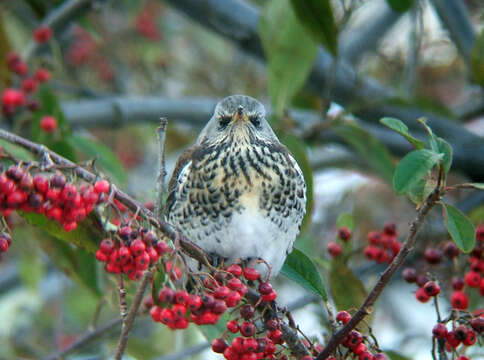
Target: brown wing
pixel 183 159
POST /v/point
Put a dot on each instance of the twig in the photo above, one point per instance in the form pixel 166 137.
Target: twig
pixel 123 305
pixel 160 183
pixel 133 311
pixel 367 307
pixel 85 339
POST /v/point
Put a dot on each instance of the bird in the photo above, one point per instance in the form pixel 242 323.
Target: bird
pixel 237 192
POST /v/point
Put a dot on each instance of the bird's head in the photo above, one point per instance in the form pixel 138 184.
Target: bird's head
pixel 238 117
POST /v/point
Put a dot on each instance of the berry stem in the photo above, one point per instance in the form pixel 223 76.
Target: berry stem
pixel 160 182
pixel 133 311
pixel 367 307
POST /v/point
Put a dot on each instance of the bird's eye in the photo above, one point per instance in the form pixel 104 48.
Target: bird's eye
pixel 255 120
pixel 224 120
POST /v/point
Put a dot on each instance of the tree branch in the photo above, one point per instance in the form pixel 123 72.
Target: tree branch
pixel 367 307
pixel 119 111
pixel 85 339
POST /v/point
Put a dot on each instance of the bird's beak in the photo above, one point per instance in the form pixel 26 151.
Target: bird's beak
pixel 240 115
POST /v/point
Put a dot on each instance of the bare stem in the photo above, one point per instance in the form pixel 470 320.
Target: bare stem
pixel 160 183
pixel 133 311
pixel 367 307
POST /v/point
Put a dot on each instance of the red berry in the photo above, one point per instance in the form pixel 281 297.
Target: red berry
pixel 247 311
pixel 265 288
pixel 365 355
pixel 219 345
pixel 470 338
pixel 12 58
pixel 42 75
pixel 20 68
pixel 15 199
pixel 166 295
pixel 358 349
pixel 155 313
pixel 307 357
pixel 234 284
pixel 344 233
pixel 48 124
pixel 458 283
pixel 270 297
pixel 42 34
pixel 69 226
pixel 459 300
pixel 478 324
pixel 221 292
pixel 452 339
pixel 451 250
pixel 181 297
pixel 58 181
pixel 251 273
pixel 247 329
pixel 249 345
pixel 462 357
pixel 137 247
pixel 422 280
pixel 276 336
pixel 380 356
pixel 472 279
pixel 13 97
pixel 219 307
pixel 233 326
pixel 162 248
pixel 439 331
pixel 410 275
pixel 433 256
pixel 29 85
pixel 233 299
pixel 101 256
pixel 421 295
pixel 460 332
pixel 142 261
pixel 390 229
pixel 101 186
pixel 106 246
pixel 235 270
pixel 3 245
pixel 166 316
pixel 343 317
pixel 374 238
pixel 41 183
pixel 179 310
pixel 431 288
pixel 334 249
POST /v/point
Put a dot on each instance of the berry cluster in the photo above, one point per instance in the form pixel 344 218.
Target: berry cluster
pixel 473 278
pixel 355 342
pixel 335 248
pixel 383 246
pixel 466 329
pixel 146 23
pixel 52 196
pixel 16 98
pixel 132 251
pixel 86 51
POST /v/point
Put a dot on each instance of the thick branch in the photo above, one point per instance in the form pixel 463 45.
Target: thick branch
pixel 456 18
pixel 367 307
pixel 118 111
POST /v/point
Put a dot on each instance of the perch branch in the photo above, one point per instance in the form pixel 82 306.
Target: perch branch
pixel 367 307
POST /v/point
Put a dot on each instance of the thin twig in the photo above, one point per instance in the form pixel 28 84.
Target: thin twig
pixel 367 307
pixel 123 305
pixel 133 311
pixel 160 183
pixel 85 339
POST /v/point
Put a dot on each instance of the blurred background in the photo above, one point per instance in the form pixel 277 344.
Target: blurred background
pixel 118 66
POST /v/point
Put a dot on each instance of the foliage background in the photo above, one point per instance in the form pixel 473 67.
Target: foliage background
pixel 118 66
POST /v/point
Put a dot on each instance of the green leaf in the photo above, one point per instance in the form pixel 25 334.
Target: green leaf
pixel 477 59
pixel 87 234
pixel 298 150
pixel 368 147
pixel 17 151
pixel 63 148
pixel 299 268
pixel 400 5
pixel 421 190
pixel 445 148
pixel 107 159
pixel 345 220
pixel 290 52
pixel 317 17
pixel 400 127
pixel 459 227
pixel 159 281
pixel 431 137
pixel 30 265
pixel 393 355
pixel 413 167
pixel 347 289
pixel 78 264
